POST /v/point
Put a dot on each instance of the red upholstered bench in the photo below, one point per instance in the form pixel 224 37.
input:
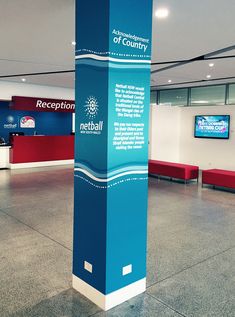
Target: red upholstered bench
pixel 217 177
pixel 173 170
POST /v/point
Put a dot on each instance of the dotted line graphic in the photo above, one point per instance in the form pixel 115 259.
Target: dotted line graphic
pixel 114 184
pixel 110 53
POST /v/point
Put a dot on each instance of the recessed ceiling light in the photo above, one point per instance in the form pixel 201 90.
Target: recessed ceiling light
pixel 208 76
pixel 73 43
pixel 23 79
pixel 169 81
pixel 162 13
pixel 211 64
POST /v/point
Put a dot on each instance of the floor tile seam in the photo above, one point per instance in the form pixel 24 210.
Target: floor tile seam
pixel 191 266
pixel 40 233
pixel 166 305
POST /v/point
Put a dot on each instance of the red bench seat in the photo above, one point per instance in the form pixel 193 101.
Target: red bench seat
pixel 218 177
pixel 173 170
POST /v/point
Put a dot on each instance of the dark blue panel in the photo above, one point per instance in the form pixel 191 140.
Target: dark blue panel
pixel 90 233
pixel 47 123
pixel 92 38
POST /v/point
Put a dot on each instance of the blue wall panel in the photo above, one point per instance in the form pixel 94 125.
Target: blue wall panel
pixel 47 123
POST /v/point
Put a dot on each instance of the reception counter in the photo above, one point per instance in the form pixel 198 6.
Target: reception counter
pixel 36 151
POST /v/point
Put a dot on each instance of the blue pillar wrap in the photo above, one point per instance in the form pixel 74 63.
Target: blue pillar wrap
pixel 113 53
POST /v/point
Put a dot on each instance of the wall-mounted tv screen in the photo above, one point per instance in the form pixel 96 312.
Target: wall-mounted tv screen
pixel 214 127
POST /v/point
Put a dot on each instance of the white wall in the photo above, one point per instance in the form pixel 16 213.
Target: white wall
pixel 172 137
pixel 164 133
pixel 9 89
pixel 207 153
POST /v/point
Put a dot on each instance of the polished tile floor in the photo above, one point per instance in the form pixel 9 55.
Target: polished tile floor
pixel 191 250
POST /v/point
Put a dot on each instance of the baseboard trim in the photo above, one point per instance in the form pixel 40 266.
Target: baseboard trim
pixel 113 299
pixel 40 164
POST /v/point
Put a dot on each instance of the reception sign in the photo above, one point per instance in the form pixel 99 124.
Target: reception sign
pixel 42 104
pixel 111 156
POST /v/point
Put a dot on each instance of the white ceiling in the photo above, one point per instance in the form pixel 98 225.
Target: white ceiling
pixel 194 28
pixel 36 36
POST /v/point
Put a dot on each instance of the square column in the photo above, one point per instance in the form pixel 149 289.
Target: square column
pixel 113 59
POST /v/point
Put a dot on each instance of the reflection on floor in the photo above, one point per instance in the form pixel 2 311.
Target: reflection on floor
pixel 191 250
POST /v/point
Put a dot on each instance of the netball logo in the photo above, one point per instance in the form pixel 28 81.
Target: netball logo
pixel 10 123
pixel 91 110
pixel 91 107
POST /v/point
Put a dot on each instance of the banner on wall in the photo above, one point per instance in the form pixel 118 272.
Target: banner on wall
pixel 42 104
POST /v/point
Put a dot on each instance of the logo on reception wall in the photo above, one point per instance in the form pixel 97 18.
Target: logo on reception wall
pixel 10 123
pixel 27 122
pixel 91 111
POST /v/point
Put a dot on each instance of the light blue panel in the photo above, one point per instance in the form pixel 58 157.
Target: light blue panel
pixel 127 196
